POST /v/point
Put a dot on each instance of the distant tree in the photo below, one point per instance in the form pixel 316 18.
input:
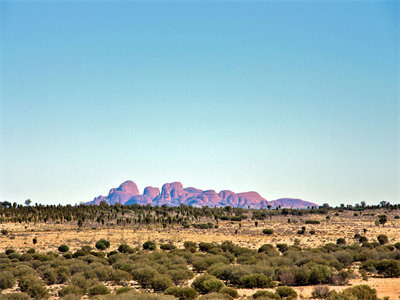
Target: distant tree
pixel 28 202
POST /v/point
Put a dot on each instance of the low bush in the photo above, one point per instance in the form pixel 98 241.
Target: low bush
pixel 182 293
pixel 122 290
pixel 124 248
pixel 70 290
pixel 63 248
pixel 215 296
pixel 99 289
pixel 161 282
pixel 341 241
pixel 100 244
pixel 265 295
pixel 7 280
pixel 149 245
pixel 382 239
pixel 256 281
pixel 207 284
pixel 312 222
pixel 320 292
pixel 15 296
pixel 33 286
pixel 286 292
pixel 167 247
pixel 229 291
pixel 268 231
pixel 355 292
pixel 388 267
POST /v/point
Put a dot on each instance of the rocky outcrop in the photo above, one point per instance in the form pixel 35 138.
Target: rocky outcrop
pixel 293 203
pixel 173 194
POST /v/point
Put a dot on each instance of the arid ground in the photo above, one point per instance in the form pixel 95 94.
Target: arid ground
pixel 332 226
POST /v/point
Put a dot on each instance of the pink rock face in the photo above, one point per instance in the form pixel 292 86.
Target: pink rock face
pixel 151 192
pixel 294 203
pixel 173 194
pixel 129 187
pixel 172 190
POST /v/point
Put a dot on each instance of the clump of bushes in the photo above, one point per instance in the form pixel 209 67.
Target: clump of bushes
pixel 184 293
pixel 33 286
pixel 207 283
pixel 286 292
pixel 7 280
pixel 355 292
pixel 256 281
pixel 99 289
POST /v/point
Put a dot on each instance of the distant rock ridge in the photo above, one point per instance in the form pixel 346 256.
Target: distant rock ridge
pixel 173 194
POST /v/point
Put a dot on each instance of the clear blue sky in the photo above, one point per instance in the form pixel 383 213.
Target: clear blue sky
pixel 290 99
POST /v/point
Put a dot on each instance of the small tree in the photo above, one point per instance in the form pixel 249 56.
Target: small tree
pixel 382 219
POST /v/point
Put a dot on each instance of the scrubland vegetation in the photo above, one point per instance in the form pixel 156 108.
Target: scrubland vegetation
pixel 152 269
pixel 214 270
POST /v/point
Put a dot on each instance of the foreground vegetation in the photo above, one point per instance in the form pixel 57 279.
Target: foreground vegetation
pixel 204 270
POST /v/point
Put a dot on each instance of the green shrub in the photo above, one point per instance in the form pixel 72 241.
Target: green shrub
pixel 356 292
pixel 167 247
pixel 229 291
pixel 149 245
pixel 15 296
pixel 124 248
pixel 33 286
pixel 4 231
pixel 215 296
pixel 341 241
pixel 286 292
pixel 206 284
pixel 63 248
pixel 382 239
pixel 100 244
pixel 268 249
pixel 144 276
pixel 282 247
pixel 199 264
pixel 49 276
pixel 182 293
pixel 265 295
pixel 7 280
pixel 268 231
pixel 99 289
pixel 388 267
pixel 312 222
pixel 124 289
pixel 256 281
pixel 161 282
pixel 70 290
pixel 191 246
